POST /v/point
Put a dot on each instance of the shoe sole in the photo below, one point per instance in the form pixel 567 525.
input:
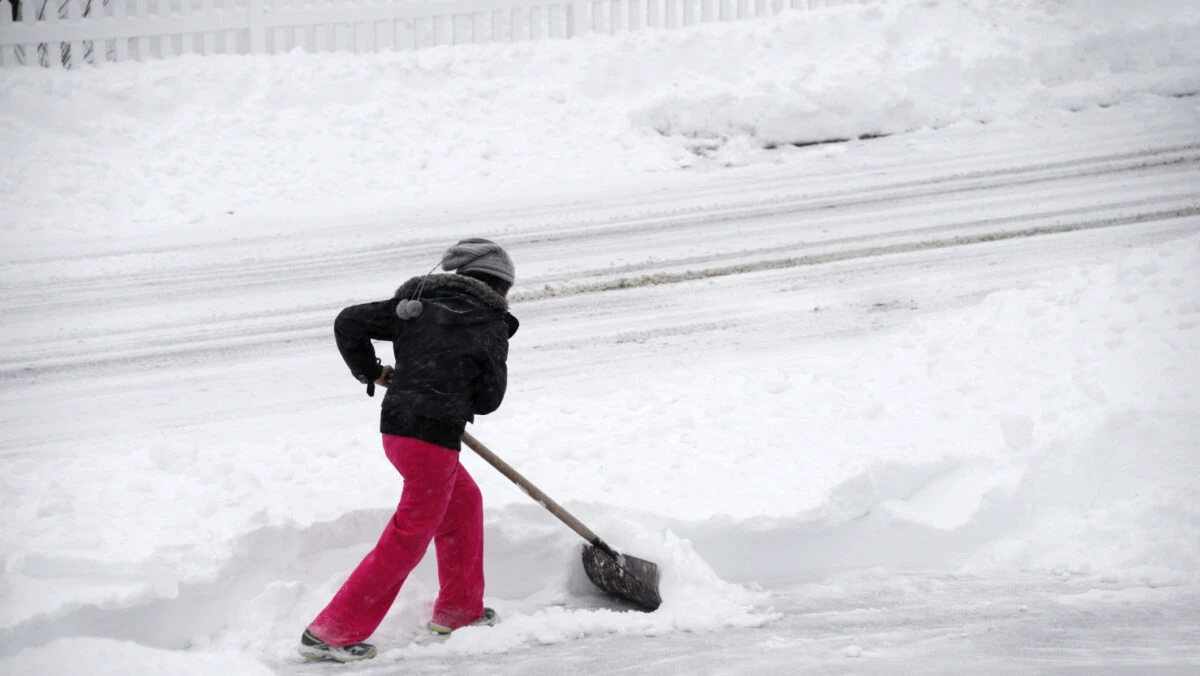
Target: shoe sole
pixel 318 656
pixel 441 630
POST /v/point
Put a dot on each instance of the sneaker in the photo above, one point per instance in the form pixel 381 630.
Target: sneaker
pixel 488 619
pixel 313 648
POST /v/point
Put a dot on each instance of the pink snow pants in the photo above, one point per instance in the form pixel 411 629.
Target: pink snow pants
pixel 439 502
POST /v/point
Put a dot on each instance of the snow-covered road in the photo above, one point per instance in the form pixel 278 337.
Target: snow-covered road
pixel 834 239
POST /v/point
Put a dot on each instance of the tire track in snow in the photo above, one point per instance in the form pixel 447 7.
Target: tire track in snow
pixel 662 278
pixel 196 280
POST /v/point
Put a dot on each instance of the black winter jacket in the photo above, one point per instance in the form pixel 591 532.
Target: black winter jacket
pixel 450 360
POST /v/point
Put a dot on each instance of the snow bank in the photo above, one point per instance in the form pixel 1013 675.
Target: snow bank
pixel 231 145
pixel 899 66
pixel 1108 441
pixel 1051 428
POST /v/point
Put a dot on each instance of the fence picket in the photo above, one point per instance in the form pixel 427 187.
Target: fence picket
pixel 50 53
pixel 169 44
pixel 187 41
pixel 74 16
pixel 400 34
pixel 421 32
pixel 106 47
pixel 320 35
pixel 256 24
pixel 231 37
pixel 8 53
pixel 90 51
pixel 120 45
pixel 141 43
pixel 208 39
pixel 273 40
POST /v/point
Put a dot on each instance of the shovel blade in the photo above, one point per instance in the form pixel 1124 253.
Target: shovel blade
pixel 626 577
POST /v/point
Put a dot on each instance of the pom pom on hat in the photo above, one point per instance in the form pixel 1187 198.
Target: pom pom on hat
pixel 409 309
pixel 479 255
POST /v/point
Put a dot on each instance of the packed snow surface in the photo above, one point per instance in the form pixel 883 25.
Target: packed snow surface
pixel 846 395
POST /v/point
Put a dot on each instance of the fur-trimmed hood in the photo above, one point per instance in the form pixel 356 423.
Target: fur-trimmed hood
pixel 450 299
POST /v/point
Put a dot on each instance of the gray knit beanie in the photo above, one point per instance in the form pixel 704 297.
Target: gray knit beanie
pixel 479 255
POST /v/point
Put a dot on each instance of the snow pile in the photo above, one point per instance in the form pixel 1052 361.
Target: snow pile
pixel 223 143
pixel 895 67
pixel 534 581
pixel 1079 394
pixel 1109 440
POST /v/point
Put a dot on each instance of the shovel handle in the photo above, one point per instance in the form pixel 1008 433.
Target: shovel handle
pixel 537 494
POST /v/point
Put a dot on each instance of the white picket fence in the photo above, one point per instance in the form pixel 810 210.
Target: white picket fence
pixel 67 33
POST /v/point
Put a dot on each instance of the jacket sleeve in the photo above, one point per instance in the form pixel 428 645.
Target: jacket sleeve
pixel 355 328
pixel 493 371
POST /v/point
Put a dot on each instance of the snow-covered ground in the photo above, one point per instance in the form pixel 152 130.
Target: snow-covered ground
pixel 923 403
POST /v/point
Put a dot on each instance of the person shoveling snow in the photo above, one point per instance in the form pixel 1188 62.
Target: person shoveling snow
pixel 450 335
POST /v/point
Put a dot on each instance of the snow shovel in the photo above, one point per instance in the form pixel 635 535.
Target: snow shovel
pixel 626 577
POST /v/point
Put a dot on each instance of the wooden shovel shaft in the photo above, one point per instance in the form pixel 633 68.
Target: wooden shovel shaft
pixel 536 493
